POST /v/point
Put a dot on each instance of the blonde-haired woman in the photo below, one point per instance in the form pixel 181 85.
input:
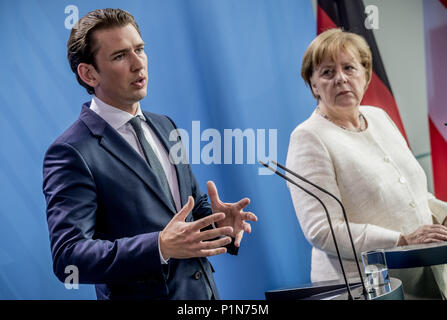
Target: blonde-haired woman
pixel 357 153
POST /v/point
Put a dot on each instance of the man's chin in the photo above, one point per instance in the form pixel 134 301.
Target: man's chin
pixel 140 95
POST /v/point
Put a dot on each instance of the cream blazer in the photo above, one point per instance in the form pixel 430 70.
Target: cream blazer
pixel 378 180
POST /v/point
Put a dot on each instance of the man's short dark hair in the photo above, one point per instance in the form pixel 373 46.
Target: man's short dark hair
pixel 81 47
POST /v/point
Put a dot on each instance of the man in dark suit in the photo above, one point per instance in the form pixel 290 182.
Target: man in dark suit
pixel 132 222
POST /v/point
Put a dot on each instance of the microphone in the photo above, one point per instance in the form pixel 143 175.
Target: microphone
pixel 328 218
pixel 344 216
pixel 329 221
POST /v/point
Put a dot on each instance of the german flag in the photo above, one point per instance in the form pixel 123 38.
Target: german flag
pixel 435 30
pixel 350 16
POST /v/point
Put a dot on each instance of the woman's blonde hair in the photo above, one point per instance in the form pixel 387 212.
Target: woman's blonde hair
pixel 329 44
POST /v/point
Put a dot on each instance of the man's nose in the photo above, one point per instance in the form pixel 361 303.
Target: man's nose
pixel 138 61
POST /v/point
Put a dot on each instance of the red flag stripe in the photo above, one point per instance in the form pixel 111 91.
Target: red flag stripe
pixel 324 22
pixel 439 159
pixel 378 95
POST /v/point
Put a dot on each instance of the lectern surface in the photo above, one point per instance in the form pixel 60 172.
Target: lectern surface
pixel 416 255
pixel 332 290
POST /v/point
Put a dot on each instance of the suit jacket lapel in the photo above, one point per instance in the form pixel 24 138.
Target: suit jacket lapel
pixel 163 133
pixel 112 141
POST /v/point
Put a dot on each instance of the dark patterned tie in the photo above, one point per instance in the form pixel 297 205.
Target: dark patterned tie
pixel 152 158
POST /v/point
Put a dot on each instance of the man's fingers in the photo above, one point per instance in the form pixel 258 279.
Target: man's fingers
pixel 250 216
pixel 212 192
pixel 238 239
pixel 204 222
pixel 247 227
pixel 214 233
pixel 212 252
pixel 183 213
pixel 241 204
pixel 205 245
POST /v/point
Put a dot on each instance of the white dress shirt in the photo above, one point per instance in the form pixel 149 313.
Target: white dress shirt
pixel 119 120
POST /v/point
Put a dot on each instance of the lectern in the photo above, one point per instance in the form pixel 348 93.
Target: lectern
pixel 332 290
pixel 421 255
pixel 397 258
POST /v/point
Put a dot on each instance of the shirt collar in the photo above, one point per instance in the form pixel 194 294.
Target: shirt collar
pixel 115 117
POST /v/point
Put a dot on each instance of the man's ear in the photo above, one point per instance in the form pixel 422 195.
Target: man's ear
pixel 88 74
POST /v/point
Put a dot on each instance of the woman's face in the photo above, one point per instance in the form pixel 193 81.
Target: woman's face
pixel 339 83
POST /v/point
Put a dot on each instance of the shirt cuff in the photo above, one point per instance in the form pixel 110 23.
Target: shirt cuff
pixel 162 260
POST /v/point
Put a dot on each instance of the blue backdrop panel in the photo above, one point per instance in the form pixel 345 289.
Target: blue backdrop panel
pixel 228 64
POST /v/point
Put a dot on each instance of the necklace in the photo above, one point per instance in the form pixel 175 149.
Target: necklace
pixel 361 119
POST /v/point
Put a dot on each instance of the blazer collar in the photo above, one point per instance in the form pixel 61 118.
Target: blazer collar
pixel 92 120
pixel 112 141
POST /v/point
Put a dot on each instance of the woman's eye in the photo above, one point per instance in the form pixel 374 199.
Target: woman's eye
pixel 119 57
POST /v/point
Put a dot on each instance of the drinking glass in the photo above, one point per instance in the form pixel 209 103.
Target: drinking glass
pixel 377 281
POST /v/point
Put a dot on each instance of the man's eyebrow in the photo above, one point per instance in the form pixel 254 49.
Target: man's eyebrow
pixel 127 49
pixel 119 51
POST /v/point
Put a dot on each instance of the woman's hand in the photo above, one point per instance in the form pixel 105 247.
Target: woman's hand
pixel 425 234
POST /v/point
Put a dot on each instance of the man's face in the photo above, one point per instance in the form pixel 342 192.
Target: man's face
pixel 121 67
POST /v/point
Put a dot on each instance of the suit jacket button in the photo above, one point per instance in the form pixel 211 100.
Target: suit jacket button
pixel 198 275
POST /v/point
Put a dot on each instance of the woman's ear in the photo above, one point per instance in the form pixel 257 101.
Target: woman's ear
pixel 367 83
pixel 88 74
pixel 314 89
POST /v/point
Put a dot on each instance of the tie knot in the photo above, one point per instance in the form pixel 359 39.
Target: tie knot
pixel 135 122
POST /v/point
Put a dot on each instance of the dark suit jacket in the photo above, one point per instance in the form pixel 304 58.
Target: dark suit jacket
pixel 105 212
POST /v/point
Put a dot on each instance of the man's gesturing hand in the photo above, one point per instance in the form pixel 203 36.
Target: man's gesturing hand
pixel 181 240
pixel 234 215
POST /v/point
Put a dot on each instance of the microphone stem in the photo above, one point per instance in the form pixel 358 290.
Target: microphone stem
pixel 344 215
pixel 330 225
